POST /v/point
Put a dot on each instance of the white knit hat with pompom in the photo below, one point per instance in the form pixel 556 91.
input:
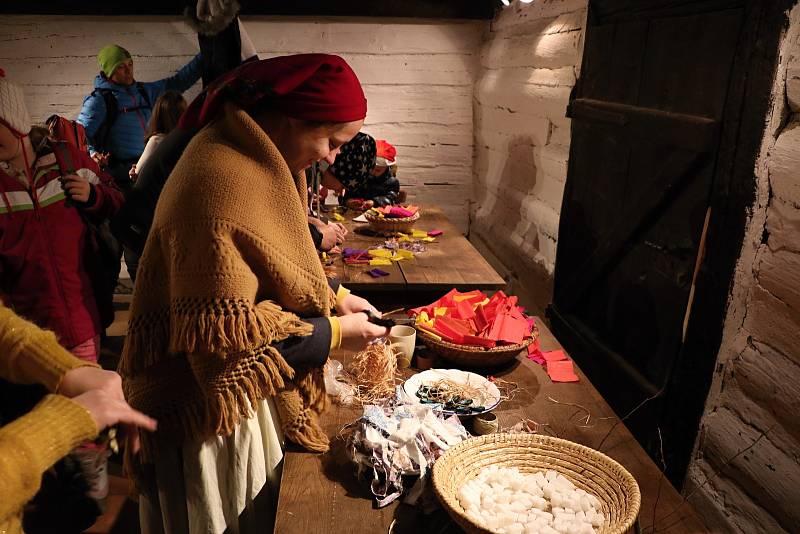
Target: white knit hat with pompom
pixel 12 107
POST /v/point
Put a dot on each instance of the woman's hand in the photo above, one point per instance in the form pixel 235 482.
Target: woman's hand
pixel 76 187
pixel 132 174
pixel 341 232
pixel 353 304
pixel 329 238
pixel 84 379
pixel 329 181
pixel 107 410
pixel 100 392
pixel 357 332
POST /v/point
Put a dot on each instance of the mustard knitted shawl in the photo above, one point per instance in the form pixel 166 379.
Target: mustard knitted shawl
pixel 228 268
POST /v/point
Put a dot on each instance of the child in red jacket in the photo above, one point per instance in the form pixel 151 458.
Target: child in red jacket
pixel 45 256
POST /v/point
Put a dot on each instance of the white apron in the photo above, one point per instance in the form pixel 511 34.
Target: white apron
pixel 223 484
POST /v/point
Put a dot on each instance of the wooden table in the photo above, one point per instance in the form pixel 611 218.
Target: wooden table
pixel 451 261
pixel 319 493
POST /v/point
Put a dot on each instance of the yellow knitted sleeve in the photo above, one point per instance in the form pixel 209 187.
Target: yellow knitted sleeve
pixel 336 332
pixel 30 355
pixel 34 442
pixel 341 293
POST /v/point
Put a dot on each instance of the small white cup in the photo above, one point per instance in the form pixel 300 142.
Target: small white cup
pixel 403 339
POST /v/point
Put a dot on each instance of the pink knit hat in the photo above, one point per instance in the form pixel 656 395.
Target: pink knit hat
pixel 13 112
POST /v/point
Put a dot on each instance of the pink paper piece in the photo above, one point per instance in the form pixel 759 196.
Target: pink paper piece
pixel 535 354
pixel 397 211
pixel 554 355
pixel 561 371
pixel 435 233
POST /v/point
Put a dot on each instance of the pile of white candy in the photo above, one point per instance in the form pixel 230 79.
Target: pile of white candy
pixel 507 501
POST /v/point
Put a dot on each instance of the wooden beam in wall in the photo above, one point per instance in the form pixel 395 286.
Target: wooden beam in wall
pixel 448 9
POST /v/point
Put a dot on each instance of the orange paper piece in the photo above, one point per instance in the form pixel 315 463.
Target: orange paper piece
pixel 561 371
pixel 554 355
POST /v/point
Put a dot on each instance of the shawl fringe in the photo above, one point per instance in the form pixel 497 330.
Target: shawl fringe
pixel 217 326
pixel 228 403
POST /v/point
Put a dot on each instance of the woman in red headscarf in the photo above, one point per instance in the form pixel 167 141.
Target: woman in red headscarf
pixel 230 320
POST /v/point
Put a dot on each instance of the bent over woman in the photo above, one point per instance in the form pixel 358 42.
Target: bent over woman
pixel 230 321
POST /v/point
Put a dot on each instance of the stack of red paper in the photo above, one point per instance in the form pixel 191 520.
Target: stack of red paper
pixel 475 319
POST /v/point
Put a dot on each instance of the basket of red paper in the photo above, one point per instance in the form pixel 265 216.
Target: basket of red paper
pixel 392 219
pixel 474 330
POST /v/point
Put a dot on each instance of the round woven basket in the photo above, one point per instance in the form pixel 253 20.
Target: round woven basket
pixel 388 225
pixel 472 355
pixel 588 469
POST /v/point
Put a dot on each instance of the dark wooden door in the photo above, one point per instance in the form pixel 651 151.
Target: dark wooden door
pixel 659 116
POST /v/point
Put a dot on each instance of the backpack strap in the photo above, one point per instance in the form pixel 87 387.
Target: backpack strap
pixel 65 157
pixel 103 134
pixel 143 92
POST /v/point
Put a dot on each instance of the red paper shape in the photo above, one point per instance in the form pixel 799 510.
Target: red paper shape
pixel 447 331
pixel 480 341
pixel 561 371
pixel 435 233
pixel 444 302
pixel 463 310
pixel 480 319
pixel 531 323
pixel 513 330
pixel 496 327
pixel 457 325
pixel 554 355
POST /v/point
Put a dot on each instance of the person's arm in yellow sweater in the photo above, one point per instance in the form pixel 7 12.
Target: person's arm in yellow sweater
pixel 35 441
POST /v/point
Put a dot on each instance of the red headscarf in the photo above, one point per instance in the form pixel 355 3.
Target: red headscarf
pixel 315 87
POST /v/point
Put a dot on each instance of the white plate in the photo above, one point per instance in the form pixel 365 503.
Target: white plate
pixel 492 394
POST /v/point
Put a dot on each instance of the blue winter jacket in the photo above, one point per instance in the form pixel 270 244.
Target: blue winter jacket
pixel 126 140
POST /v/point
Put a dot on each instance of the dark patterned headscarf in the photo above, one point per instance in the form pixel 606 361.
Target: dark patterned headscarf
pixel 354 163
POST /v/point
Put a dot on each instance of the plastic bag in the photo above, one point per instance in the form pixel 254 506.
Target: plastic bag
pixel 339 390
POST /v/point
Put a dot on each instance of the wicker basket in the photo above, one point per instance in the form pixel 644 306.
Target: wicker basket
pixel 473 356
pixel 387 225
pixel 588 469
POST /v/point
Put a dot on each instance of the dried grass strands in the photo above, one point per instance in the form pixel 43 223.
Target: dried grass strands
pixel 445 390
pixel 508 390
pixel 372 372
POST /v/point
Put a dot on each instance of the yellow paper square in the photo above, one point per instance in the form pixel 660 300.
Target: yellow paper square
pixel 380 253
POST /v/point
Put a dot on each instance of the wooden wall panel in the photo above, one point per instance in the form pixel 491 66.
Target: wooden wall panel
pixel 418 76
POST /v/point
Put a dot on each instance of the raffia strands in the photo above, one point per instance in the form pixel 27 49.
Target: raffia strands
pixel 373 373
